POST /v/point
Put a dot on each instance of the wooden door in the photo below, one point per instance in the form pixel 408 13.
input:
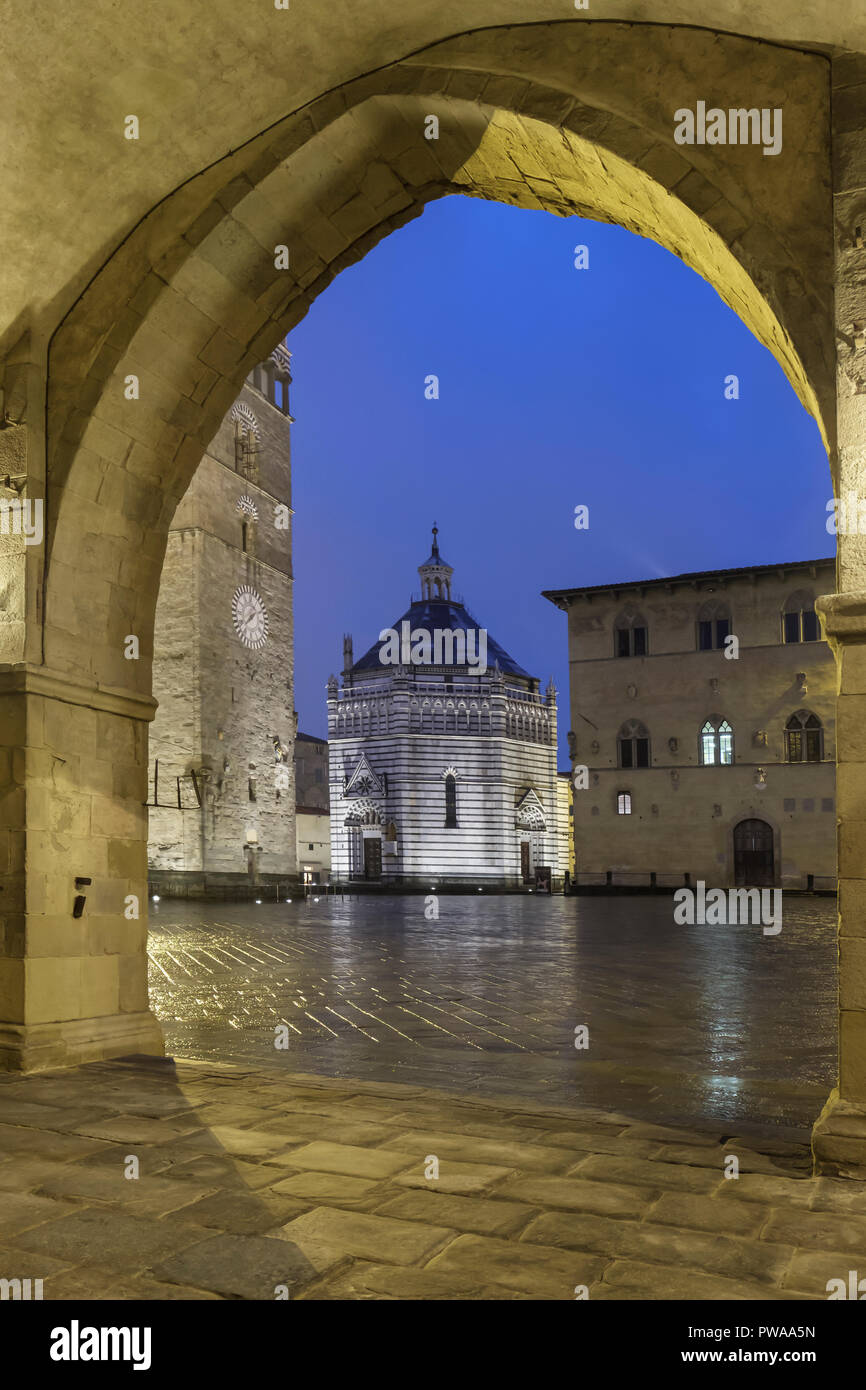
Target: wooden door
pixel 372 857
pixel 754 860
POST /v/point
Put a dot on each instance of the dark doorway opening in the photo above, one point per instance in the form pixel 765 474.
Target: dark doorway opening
pixel 754 859
pixel 372 857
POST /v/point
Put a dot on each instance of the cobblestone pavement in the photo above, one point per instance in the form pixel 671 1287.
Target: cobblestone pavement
pixel 685 1023
pixel 254 1186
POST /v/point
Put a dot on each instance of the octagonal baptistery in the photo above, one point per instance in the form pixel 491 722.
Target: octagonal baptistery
pixel 443 756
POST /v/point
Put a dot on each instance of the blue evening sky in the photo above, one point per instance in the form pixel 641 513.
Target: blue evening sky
pixel 557 387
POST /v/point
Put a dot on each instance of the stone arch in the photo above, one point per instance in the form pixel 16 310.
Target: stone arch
pixel 242 414
pixel 363 812
pixel 189 299
pixel 202 300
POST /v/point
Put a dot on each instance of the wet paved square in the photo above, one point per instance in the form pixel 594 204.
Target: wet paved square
pixel 686 1024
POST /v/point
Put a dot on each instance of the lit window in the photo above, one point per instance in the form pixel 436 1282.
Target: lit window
pixel 623 804
pixel 726 743
pixel 708 743
pixel 716 742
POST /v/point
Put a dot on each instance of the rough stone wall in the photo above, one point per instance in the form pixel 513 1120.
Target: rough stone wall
pixel 683 814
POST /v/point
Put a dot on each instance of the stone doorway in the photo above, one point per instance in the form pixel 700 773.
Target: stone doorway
pixel 754 859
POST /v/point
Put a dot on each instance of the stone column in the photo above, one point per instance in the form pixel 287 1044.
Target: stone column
pixel 839 1137
pixel 73 793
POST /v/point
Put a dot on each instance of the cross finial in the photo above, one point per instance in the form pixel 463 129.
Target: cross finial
pixel 435 541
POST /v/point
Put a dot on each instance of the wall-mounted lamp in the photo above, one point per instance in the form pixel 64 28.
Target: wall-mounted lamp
pixel 80 899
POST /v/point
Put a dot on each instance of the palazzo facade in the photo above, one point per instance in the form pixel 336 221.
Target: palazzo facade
pixel 703 718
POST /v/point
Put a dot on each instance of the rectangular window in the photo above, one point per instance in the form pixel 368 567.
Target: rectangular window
pixel 626 754
pixel 792 627
pixel 813 745
pixel 726 749
pixel 810 627
pixel 708 749
pixel 622 642
pixel 623 804
pixel 642 749
pixel 639 641
pixel 723 627
pixel 795 745
pixel 705 637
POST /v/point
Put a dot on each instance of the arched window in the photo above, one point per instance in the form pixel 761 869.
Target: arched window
pixel 630 634
pixel 799 619
pixel 450 802
pixel 717 742
pixel 714 625
pixel 804 738
pixel 246 450
pixel 633 745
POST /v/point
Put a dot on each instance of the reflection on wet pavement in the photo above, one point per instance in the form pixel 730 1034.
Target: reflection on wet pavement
pixel 716 1023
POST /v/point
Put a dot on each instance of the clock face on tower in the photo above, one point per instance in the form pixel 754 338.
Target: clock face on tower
pixel 250 617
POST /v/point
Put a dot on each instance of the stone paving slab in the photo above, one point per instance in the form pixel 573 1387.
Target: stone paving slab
pixel 255 1186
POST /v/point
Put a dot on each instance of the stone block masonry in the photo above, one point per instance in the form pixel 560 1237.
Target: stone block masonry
pixel 221 766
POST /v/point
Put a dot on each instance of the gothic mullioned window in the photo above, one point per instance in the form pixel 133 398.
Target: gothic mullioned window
pixel 247 435
pixel 799 619
pixel 633 745
pixel 630 635
pixel 714 625
pixel 717 743
pixel 804 738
